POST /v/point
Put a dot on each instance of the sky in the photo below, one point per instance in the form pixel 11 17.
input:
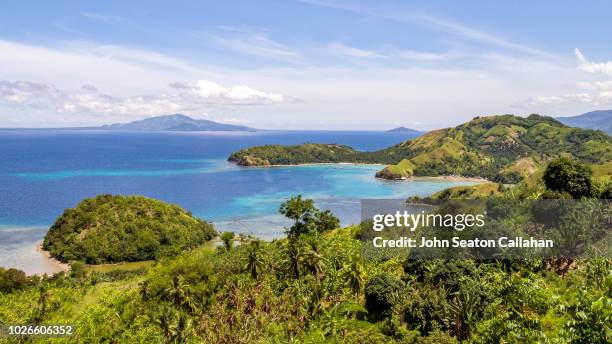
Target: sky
pixel 309 64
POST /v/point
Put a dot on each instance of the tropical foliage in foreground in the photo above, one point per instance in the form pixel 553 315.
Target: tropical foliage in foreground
pixel 110 229
pixel 316 286
pixel 501 148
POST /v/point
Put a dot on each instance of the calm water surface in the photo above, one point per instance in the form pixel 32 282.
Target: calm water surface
pixel 44 172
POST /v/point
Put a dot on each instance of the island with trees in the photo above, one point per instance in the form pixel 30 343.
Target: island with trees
pixel 502 148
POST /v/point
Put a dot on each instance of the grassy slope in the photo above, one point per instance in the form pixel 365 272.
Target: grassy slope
pixel 502 148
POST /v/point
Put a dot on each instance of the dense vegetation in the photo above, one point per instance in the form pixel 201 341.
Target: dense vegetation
pixel 502 148
pixel 109 229
pixel 306 153
pixel 317 286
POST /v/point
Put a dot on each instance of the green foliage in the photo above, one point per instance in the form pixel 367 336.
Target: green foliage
pixel 566 175
pixel 228 240
pixel 13 279
pixel 307 218
pixel 317 287
pixel 501 148
pixel 291 155
pixel 109 229
pixel 379 294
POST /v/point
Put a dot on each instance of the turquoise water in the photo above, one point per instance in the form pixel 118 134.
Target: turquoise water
pixel 42 173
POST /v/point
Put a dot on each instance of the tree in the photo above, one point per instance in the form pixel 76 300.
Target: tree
pixel 379 293
pixel 228 240
pixel 307 218
pixel 354 274
pixel 312 257
pixel 293 258
pixel 255 259
pixel 566 175
pixel 12 279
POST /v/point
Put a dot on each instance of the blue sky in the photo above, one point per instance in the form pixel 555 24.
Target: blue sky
pixel 314 64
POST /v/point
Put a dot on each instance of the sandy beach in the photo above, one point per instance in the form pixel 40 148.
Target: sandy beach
pixel 454 179
pixel 53 264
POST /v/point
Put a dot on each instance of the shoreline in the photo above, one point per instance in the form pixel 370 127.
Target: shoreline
pixel 312 164
pixel 450 178
pixel 453 179
pixel 50 261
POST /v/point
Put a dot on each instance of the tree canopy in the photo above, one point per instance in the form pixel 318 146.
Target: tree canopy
pixel 307 218
pixel 109 229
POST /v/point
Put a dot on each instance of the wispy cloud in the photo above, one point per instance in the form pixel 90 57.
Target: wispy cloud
pixel 338 48
pixel 429 56
pixel 446 25
pixel 103 17
pixel 257 44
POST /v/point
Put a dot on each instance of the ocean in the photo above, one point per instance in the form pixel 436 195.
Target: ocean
pixel 43 172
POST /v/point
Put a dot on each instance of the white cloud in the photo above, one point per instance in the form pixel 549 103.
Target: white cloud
pixel 592 67
pixel 592 93
pixel 338 48
pixel 87 100
pixel 237 94
pixel 21 92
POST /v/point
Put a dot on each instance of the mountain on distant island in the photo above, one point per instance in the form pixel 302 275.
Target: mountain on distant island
pixel 402 130
pixel 601 120
pixel 176 122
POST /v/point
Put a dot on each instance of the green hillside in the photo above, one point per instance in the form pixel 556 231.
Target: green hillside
pixel 502 148
pixel 292 155
pixel 109 229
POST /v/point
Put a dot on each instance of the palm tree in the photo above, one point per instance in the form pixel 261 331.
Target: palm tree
pixel 293 258
pixel 337 318
pixel 355 275
pixel 43 295
pixel 179 293
pixel 254 259
pixel 313 261
pixel 166 321
pixel 312 258
pixel 184 329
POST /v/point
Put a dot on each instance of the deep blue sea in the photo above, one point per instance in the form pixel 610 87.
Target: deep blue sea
pixel 44 172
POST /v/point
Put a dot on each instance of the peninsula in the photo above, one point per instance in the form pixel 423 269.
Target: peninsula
pixel 502 148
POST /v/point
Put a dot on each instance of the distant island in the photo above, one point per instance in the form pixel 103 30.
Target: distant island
pixel 601 120
pixel 402 130
pixel 176 122
pixel 503 149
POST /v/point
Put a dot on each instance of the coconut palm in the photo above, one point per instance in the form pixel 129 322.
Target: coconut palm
pixel 255 259
pixel 354 274
pixel 293 258
pixel 179 293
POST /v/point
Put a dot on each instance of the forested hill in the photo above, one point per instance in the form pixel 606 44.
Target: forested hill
pixel 503 148
pixel 111 229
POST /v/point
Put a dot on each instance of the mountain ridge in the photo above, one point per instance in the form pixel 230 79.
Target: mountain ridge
pixel 175 122
pixel 599 119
